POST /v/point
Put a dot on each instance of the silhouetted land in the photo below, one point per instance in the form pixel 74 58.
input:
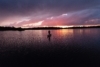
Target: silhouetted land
pixel 11 28
pixel 42 28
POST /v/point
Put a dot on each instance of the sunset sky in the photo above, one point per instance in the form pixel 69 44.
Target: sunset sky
pixel 34 13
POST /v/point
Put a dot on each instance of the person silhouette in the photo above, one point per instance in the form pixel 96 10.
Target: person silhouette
pixel 49 32
pixel 49 35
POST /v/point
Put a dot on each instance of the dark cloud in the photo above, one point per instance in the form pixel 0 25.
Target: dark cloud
pixel 34 8
pixel 31 6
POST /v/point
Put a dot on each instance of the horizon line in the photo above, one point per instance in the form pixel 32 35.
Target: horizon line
pixel 60 26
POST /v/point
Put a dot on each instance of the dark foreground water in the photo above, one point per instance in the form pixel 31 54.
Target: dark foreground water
pixel 69 47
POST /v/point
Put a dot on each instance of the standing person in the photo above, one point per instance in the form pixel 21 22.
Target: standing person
pixel 49 35
pixel 49 32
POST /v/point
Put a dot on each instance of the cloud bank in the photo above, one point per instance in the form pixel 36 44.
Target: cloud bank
pixel 49 12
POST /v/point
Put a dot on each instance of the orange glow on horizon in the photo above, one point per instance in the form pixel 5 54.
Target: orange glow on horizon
pixel 64 26
pixel 60 26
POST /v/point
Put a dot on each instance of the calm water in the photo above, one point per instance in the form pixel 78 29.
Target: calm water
pixel 66 47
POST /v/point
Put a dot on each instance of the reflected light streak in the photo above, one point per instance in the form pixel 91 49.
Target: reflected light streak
pixel 65 32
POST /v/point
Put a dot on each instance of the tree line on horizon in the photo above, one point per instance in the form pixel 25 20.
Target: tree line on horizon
pixel 9 28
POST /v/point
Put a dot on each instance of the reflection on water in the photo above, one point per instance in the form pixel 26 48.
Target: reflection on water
pixel 41 37
pixel 66 46
pixel 65 32
pixel 37 37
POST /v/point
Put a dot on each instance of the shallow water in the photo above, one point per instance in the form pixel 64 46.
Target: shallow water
pixel 66 47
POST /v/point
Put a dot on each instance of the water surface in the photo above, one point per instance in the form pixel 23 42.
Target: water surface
pixel 65 47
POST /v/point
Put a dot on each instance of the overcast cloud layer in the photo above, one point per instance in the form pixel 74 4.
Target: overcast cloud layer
pixel 32 13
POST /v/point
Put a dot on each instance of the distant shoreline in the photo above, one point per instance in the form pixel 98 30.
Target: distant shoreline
pixel 42 28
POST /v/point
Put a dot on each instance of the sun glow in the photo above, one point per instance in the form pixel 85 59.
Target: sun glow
pixel 64 26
